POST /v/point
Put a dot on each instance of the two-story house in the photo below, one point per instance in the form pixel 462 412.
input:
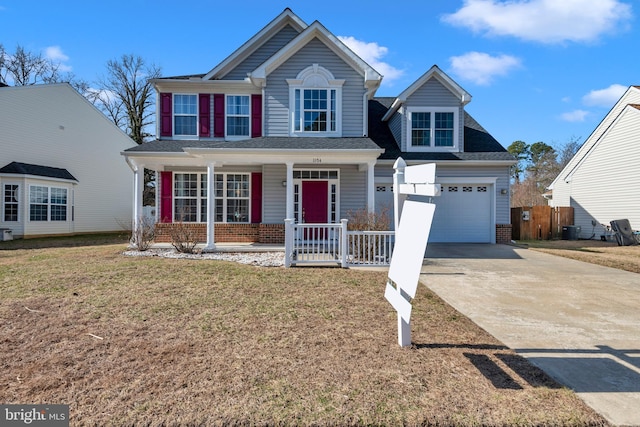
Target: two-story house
pixel 288 126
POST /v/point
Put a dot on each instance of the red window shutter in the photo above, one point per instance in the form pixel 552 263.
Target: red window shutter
pixel 166 101
pixel 218 114
pixel 256 116
pixel 256 197
pixel 166 197
pixel 205 114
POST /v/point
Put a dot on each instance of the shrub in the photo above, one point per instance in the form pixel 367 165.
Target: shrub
pixel 143 233
pixel 363 220
pixel 184 238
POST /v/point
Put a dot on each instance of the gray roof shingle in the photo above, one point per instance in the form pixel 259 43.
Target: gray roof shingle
pixel 479 145
pixel 37 170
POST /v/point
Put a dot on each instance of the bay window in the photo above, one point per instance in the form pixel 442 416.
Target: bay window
pixel 47 203
pixel 10 197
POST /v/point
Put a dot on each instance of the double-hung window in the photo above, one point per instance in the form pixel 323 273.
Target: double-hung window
pixel 315 110
pixel 232 198
pixel 190 197
pixel 238 115
pixel 185 115
pixel 432 129
pixel 315 103
pixel 10 198
pixel 47 203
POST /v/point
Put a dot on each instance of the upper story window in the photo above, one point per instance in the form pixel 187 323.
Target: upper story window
pixel 185 115
pixel 432 129
pixel 316 103
pixel 238 115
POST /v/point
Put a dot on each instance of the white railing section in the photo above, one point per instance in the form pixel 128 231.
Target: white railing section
pixel 370 248
pixel 333 244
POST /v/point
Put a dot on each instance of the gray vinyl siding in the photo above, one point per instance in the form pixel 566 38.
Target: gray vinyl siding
pixel 277 89
pixel 274 195
pixel 395 126
pixel 263 53
pixel 353 190
pixel 606 185
pixel 432 94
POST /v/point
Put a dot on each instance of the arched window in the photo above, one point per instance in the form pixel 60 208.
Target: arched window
pixel 315 103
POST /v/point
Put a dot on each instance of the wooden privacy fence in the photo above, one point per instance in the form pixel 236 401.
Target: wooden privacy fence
pixel 539 222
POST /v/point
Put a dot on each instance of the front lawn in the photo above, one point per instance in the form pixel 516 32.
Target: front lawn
pixel 155 341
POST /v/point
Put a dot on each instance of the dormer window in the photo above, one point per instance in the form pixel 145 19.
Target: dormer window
pixel 316 103
pixel 432 129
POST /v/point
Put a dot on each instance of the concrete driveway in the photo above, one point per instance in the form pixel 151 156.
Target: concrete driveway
pixel 578 322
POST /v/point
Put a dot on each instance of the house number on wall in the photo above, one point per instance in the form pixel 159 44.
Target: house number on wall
pixel 317 160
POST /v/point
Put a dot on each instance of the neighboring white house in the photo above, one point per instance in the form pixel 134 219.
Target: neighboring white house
pixel 602 181
pixel 61 171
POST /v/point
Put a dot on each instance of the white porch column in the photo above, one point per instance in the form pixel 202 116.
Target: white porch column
pixel 290 191
pixel 371 188
pixel 211 245
pixel 138 188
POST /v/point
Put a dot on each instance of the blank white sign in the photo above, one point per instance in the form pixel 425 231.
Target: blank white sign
pixel 411 243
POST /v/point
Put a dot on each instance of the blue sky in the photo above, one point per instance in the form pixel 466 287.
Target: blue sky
pixel 538 70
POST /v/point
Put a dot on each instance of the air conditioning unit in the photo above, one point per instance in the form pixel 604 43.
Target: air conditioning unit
pixel 5 234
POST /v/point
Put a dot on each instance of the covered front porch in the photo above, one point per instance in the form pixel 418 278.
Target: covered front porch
pixel 256 185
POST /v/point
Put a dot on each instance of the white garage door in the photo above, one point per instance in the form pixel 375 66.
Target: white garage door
pixel 463 214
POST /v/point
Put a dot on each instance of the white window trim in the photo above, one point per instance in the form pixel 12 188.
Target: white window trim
pixel 330 181
pixel 315 77
pixel 18 193
pixel 67 205
pixel 224 198
pixel 173 117
pixel 432 111
pixel 226 103
pixel 200 199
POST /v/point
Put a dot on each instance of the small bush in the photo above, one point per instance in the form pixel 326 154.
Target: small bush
pixel 183 237
pixel 143 233
pixel 363 220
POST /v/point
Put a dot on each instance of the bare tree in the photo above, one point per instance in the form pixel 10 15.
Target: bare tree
pixel 25 68
pixel 126 95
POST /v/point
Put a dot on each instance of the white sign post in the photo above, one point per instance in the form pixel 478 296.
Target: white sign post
pixel 413 220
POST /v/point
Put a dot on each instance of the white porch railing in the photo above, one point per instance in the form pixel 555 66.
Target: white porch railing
pixel 333 244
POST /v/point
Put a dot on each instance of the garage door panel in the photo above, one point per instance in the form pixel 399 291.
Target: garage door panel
pixel 463 214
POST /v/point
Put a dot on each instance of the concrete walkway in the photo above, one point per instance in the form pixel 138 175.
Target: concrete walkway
pixel 578 322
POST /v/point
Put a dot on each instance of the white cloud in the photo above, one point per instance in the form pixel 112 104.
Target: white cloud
pixel 604 97
pixel 481 68
pixel 372 53
pixel 575 116
pixel 545 21
pixel 55 54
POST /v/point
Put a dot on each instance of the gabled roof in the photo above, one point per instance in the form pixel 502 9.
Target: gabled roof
pixel 479 145
pixel 287 17
pixel 317 30
pixel 433 72
pixel 17 168
pixel 630 98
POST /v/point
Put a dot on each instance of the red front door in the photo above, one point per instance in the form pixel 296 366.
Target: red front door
pixel 315 202
pixel 314 206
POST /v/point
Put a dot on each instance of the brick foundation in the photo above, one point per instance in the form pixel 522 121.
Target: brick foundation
pixel 503 233
pixel 227 233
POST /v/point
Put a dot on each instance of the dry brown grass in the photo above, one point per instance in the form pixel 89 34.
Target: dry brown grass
pixel 154 341
pixel 608 254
